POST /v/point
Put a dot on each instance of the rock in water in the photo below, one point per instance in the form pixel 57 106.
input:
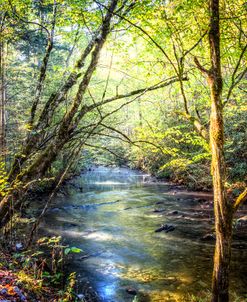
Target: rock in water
pixel 158 210
pixel 160 229
pixel 165 227
pixel 242 221
pixel 169 228
pixel 172 213
pixel 131 291
pixel 208 237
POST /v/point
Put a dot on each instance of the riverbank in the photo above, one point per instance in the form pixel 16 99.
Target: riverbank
pixel 29 275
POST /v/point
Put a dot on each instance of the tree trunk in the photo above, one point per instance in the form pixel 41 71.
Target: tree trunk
pixel 35 137
pixel 2 103
pixel 222 207
pixel 42 162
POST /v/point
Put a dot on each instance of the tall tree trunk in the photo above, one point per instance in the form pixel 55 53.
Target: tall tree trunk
pixel 222 207
pixel 2 103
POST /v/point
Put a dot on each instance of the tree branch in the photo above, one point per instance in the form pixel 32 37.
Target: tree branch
pixel 136 92
pixel 200 129
pixel 205 71
pixel 236 80
pixel 240 200
pixel 44 65
pixel 25 21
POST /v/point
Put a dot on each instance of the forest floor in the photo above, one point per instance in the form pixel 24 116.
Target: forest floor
pixel 18 285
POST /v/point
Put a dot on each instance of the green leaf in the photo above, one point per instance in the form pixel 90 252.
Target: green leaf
pixel 72 250
pixel 75 250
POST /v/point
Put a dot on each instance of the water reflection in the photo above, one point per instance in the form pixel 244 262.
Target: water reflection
pixel 112 213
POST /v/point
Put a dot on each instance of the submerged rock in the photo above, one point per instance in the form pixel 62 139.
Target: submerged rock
pixel 208 237
pixel 131 291
pixel 165 227
pixel 242 221
pixel 70 224
pixel 158 210
pixel 159 202
pixel 172 213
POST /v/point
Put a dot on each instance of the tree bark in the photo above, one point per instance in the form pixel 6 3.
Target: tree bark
pixel 2 90
pixel 2 103
pixel 222 207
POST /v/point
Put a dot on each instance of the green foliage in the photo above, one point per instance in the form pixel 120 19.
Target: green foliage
pixel 161 141
pixel 3 180
pixel 43 265
pixel 69 294
pixel 236 149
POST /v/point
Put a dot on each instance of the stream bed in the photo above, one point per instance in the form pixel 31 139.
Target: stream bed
pixel 112 215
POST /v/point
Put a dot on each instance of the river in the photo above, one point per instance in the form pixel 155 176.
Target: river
pixel 112 215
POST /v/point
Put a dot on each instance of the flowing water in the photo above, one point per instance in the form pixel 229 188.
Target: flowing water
pixel 112 215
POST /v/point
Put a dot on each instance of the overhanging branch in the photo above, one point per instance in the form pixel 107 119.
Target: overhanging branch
pixel 240 200
pixel 136 92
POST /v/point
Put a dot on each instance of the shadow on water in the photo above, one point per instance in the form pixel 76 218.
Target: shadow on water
pixel 112 213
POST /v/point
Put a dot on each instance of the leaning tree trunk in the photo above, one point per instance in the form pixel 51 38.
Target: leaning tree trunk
pixel 42 162
pixel 222 206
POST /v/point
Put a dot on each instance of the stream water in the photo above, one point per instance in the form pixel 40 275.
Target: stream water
pixel 112 215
